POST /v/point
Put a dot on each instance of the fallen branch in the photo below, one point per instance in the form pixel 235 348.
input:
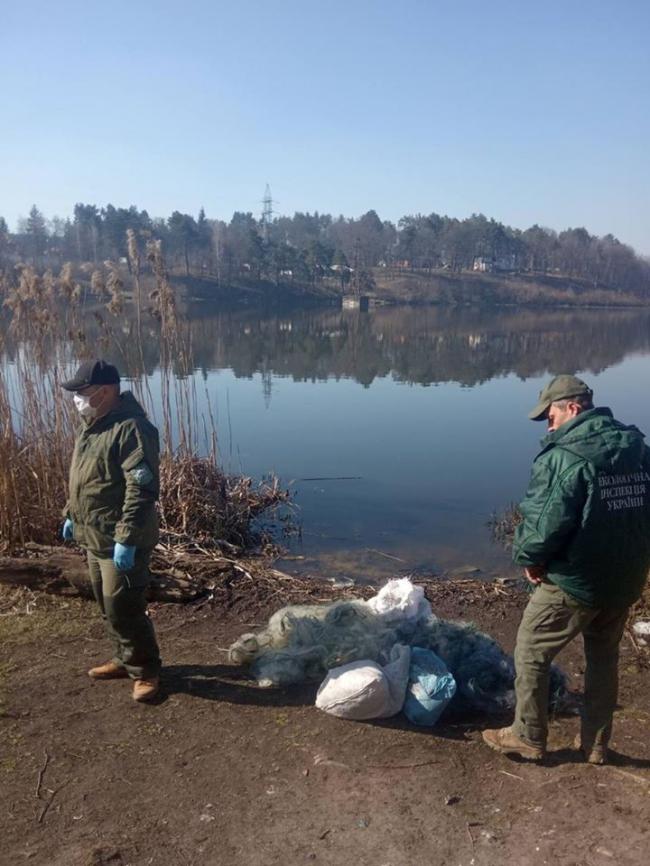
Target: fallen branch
pixel 333 478
pixel 385 555
pixel 512 775
pixel 46 807
pixel 41 773
pixel 400 766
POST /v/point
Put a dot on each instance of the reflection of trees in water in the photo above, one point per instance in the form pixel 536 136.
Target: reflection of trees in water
pixel 417 345
pixel 114 338
pixel 423 345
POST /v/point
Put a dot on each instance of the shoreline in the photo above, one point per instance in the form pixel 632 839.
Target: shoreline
pixel 412 288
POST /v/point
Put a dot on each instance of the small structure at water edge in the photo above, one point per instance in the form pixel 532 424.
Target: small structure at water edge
pixel 356 302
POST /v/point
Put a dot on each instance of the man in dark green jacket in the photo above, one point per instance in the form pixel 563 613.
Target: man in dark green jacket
pixel 584 543
pixel 111 513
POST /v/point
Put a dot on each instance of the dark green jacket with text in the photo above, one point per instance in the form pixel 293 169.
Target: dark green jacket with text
pixel 586 515
pixel 114 480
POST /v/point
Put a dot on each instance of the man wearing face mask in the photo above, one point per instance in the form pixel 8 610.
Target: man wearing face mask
pixel 111 513
pixel 584 544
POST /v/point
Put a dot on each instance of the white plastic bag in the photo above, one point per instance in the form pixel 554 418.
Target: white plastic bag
pixel 642 630
pixel 364 690
pixel 400 599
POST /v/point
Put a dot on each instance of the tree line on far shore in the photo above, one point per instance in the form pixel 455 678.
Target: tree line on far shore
pixel 310 248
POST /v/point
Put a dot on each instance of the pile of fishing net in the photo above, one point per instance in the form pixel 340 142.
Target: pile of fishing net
pixel 301 643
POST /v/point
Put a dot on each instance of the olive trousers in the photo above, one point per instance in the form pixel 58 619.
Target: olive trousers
pixel 121 599
pixel 550 621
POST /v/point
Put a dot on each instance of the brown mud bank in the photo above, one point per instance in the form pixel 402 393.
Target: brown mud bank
pixel 221 772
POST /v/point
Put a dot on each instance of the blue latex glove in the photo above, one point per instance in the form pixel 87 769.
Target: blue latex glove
pixel 124 556
pixel 67 533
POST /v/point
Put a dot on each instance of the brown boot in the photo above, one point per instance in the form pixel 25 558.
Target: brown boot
pixel 108 671
pixel 506 741
pixel 145 690
pixel 597 754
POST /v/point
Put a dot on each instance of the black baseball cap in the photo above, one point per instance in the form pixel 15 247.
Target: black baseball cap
pixel 560 388
pixel 93 373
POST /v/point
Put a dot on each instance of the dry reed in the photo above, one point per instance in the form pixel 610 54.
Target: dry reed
pixel 502 525
pixel 48 323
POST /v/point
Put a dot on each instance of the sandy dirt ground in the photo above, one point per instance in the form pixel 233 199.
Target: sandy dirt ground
pixel 221 772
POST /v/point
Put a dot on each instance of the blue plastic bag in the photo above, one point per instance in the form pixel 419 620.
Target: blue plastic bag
pixel 430 688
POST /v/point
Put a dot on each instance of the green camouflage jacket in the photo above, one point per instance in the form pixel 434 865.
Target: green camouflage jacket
pixel 114 480
pixel 586 515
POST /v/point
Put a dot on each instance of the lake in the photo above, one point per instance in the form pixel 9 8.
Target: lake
pixel 401 430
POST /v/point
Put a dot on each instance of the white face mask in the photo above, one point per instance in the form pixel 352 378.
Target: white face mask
pixel 83 406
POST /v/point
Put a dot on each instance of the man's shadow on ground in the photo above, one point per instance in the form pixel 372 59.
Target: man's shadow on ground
pixel 230 684
pixel 614 759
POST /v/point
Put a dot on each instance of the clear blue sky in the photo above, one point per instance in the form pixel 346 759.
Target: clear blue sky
pixel 527 112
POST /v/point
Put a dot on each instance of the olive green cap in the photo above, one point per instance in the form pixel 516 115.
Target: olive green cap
pixel 560 388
